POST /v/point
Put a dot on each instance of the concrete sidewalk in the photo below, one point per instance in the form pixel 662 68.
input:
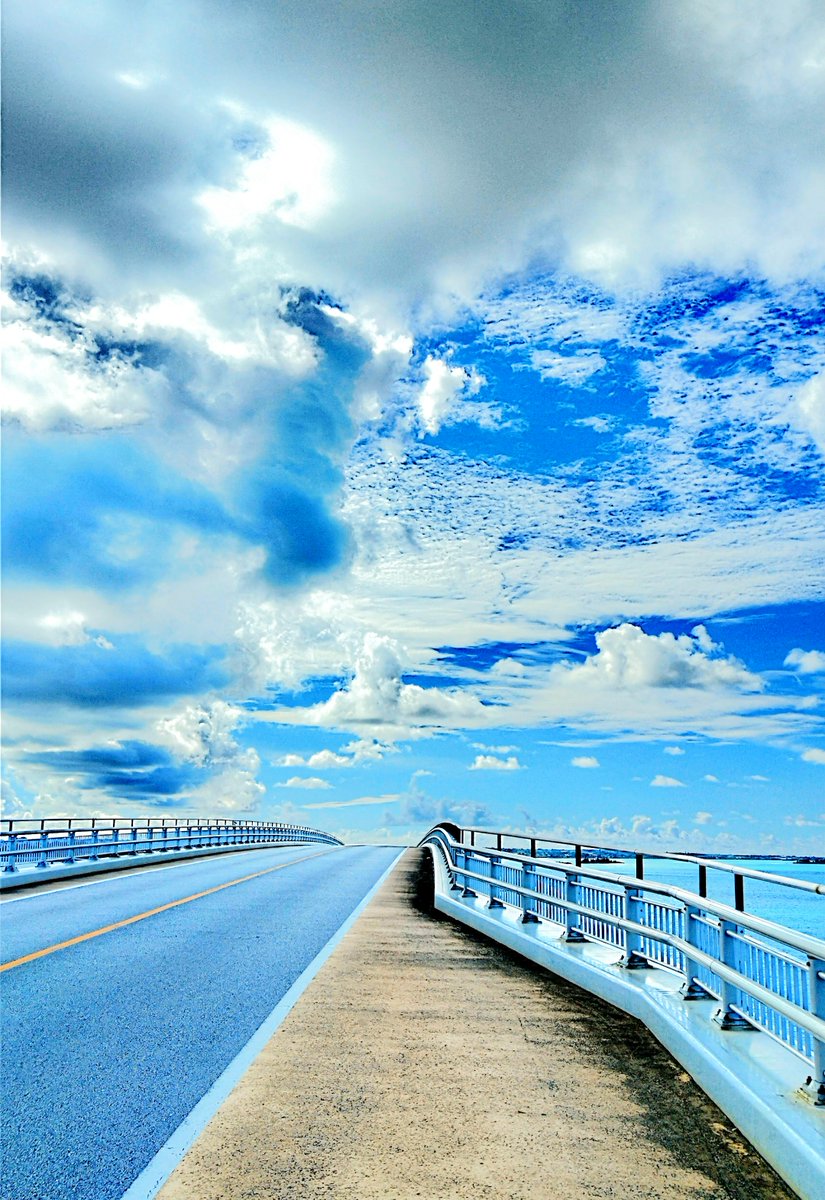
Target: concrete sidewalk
pixel 424 1061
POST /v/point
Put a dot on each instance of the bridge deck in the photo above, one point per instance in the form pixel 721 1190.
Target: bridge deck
pixel 424 1061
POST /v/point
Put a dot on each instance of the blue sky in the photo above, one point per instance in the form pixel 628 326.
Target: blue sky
pixel 417 411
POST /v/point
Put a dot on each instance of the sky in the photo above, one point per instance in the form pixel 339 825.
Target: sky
pixel 417 411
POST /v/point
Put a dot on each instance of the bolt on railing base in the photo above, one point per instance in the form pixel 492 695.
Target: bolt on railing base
pixel 730 1020
pixel 633 961
pixel 813 1092
pixel 695 991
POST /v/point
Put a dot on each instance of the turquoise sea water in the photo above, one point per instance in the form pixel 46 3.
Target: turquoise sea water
pixel 800 910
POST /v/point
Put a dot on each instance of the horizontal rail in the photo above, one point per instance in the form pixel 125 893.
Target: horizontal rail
pixel 41 848
pixel 704 864
pixel 764 975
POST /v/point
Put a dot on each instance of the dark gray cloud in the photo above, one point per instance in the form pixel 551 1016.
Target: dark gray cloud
pixel 625 137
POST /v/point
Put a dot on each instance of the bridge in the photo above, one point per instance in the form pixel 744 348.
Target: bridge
pixel 498 1053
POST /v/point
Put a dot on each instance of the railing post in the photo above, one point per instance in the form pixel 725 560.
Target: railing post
pixel 725 1016
pixel 816 996
pixel 467 891
pixel 634 955
pixel 692 989
pixel 572 932
pixel 529 879
pixel 494 901
pixel 43 861
pixel 95 839
pixel 12 851
pixel 455 886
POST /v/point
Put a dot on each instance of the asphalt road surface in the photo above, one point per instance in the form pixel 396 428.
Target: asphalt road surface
pixel 109 1041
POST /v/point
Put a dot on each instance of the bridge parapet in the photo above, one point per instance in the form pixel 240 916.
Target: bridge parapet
pixel 697 971
pixel 45 845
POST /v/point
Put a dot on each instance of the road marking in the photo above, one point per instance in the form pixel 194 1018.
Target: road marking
pixel 85 937
pixel 153 1176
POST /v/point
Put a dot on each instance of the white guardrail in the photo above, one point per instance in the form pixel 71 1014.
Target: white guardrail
pixel 60 842
pixel 763 975
pixel 757 975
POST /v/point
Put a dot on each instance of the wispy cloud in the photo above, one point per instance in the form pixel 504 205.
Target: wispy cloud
pixel 362 800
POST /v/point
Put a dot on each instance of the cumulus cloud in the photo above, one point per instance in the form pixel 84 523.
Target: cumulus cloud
pixel 806 662
pixel 675 751
pixel 378 696
pixel 814 755
pixel 627 657
pixel 321 760
pixel 489 762
pixel 586 761
pixel 666 781
pixel 702 817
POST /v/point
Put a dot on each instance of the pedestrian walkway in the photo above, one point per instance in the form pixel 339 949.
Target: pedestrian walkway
pixel 424 1061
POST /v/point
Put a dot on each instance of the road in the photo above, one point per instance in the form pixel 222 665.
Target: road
pixel 110 1040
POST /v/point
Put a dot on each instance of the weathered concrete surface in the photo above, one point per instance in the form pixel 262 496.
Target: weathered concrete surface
pixel 424 1061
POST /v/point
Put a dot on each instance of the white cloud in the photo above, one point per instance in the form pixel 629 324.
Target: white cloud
pixel 629 658
pixel 54 377
pixel 377 696
pixel 710 778
pixel 675 751
pixel 574 369
pixel 806 662
pixel 70 629
pixel 389 798
pixel 586 761
pixel 810 410
pixel 231 789
pixel 310 782
pixel 702 817
pixel 666 781
pixel 202 734
pixel 289 177
pixel 440 399
pixel 814 755
pixel 321 760
pixel 488 762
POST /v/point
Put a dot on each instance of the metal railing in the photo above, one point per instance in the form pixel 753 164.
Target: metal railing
pixel 40 844
pixel 764 975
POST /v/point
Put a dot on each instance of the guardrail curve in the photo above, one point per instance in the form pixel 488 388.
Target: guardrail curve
pixel 61 842
pixel 650 947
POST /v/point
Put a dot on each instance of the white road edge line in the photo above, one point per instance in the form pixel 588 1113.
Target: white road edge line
pixel 152 1177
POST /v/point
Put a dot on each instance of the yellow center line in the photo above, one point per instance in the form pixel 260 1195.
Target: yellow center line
pixel 84 937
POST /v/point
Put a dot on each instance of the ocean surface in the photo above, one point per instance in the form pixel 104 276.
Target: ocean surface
pixel 804 911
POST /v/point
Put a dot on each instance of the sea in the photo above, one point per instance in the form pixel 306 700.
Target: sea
pixel 800 910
